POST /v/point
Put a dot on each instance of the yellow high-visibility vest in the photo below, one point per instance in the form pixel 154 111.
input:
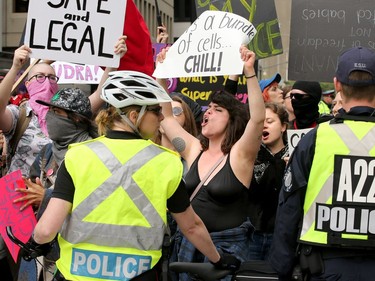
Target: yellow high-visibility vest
pixel 339 207
pixel 323 108
pixel 118 220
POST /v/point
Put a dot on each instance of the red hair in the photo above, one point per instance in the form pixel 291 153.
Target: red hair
pixel 266 96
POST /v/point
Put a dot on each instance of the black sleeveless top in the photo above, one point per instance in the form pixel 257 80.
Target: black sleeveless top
pixel 221 204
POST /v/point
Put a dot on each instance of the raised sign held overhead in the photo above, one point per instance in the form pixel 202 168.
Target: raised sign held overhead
pixel 261 13
pixel 75 31
pixel 210 46
pixel 321 30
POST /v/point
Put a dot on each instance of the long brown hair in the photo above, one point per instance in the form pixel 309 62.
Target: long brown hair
pixel 238 118
pixel 189 124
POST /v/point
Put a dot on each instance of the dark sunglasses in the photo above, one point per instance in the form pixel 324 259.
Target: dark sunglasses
pixel 177 111
pixel 298 96
pixel 156 110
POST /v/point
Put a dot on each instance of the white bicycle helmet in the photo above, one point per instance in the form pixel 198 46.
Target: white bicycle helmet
pixel 124 88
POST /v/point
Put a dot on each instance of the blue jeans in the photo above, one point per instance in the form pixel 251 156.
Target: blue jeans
pixel 260 246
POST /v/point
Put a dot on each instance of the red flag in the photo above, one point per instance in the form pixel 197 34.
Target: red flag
pixel 139 56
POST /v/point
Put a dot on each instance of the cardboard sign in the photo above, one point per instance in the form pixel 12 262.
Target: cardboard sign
pixel 70 73
pixel 199 88
pixel 75 31
pixel 22 222
pixel 294 136
pixel 210 46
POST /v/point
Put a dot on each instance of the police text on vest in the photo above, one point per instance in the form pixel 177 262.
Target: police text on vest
pixel 106 265
pixel 353 198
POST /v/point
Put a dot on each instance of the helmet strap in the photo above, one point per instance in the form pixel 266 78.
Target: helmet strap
pixel 127 121
pixel 138 121
pixel 140 115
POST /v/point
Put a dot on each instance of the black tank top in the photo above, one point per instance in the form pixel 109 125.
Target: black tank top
pixel 221 204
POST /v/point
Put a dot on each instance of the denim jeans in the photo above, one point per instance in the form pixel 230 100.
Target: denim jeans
pixel 260 246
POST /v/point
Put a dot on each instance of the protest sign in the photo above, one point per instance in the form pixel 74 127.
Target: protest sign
pixel 200 88
pixel 22 222
pixel 210 46
pixel 321 30
pixel 294 136
pixel 261 13
pixel 75 31
pixel 70 73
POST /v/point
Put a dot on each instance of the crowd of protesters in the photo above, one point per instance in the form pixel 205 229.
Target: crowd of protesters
pixel 108 181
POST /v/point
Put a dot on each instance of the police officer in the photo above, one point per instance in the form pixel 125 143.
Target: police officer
pixel 325 105
pixel 325 219
pixel 113 193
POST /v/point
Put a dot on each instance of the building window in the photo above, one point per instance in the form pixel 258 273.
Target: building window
pixel 21 6
pixel 184 10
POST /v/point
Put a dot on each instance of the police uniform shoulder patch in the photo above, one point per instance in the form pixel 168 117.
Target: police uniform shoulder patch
pixel 288 180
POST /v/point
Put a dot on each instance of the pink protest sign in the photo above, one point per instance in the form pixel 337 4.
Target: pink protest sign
pixel 22 222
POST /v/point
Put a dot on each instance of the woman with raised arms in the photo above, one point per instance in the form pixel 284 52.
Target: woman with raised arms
pixel 231 140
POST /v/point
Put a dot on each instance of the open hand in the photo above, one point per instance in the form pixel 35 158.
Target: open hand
pixel 34 193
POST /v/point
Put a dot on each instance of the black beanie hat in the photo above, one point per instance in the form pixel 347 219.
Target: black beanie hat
pixel 309 87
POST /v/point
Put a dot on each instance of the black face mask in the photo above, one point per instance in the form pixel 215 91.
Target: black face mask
pixel 306 111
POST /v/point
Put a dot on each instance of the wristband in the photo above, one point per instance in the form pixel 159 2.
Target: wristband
pixel 252 76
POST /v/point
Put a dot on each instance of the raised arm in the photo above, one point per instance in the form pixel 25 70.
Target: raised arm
pixel 245 150
pixel 95 100
pixel 231 84
pixel 21 56
pixel 162 35
pixel 186 144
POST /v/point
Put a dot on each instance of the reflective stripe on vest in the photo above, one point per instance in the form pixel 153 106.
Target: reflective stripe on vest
pixel 358 143
pixel 128 235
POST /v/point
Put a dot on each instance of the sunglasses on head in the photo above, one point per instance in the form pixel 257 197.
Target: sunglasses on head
pixel 177 111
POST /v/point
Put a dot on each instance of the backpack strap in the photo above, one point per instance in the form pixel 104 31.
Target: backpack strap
pixel 22 123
